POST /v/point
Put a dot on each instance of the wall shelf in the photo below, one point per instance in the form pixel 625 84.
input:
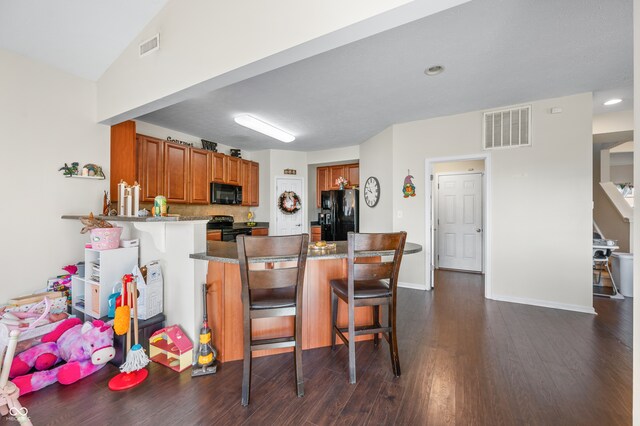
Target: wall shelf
pixel 86 177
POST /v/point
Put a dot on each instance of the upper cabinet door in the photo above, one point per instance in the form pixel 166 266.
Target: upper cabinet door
pixel 245 170
pixel 254 184
pixel 322 183
pixel 353 174
pixel 150 167
pixel 234 173
pixel 334 173
pixel 176 173
pixel 218 167
pixel 199 177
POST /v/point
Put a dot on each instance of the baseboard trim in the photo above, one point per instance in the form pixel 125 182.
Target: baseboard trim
pixel 412 286
pixel 544 304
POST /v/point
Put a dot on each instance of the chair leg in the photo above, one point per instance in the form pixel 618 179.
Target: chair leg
pixel 246 371
pixel 352 343
pixel 334 319
pixel 298 355
pixel 376 322
pixel 393 340
pixel 613 283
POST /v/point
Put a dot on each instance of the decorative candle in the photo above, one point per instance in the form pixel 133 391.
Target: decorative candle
pixel 128 197
pixel 135 194
pixel 121 194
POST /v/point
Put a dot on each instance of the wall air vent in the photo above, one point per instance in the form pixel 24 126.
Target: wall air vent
pixel 507 128
pixel 149 46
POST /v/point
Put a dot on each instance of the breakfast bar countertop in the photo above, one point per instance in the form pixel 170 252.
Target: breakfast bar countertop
pixel 227 252
pixel 143 219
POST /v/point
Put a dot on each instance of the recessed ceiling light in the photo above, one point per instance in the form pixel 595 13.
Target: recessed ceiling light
pixel 434 70
pixel 613 101
pixel 260 126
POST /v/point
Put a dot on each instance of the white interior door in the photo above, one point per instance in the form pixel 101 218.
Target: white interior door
pixel 289 224
pixel 459 221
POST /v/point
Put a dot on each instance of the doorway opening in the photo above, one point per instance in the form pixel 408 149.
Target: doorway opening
pixel 458 219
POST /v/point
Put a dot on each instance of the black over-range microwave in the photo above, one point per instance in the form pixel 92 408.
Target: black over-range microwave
pixel 225 194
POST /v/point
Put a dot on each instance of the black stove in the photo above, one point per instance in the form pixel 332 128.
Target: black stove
pixel 225 224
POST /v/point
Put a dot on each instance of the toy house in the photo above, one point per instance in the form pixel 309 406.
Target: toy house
pixel 171 347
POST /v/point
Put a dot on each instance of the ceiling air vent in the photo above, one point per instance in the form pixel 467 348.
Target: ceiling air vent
pixel 507 128
pixel 151 45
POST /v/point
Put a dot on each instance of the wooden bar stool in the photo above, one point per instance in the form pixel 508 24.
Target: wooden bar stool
pixel 369 284
pixel 272 292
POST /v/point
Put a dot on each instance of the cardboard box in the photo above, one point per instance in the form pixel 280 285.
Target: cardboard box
pixel 150 301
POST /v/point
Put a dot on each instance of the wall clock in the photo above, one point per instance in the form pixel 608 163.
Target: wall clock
pixel 371 191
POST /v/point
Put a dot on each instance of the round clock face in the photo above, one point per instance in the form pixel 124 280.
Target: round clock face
pixel 371 191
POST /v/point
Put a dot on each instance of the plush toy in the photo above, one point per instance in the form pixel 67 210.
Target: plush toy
pixel 86 348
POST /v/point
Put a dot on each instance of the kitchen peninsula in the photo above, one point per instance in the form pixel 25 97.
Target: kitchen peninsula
pixel 225 301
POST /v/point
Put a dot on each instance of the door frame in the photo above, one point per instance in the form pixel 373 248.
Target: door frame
pixel 436 207
pixel 486 217
pixel 303 197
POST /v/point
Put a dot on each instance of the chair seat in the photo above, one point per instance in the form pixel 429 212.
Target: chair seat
pixel 284 297
pixel 365 289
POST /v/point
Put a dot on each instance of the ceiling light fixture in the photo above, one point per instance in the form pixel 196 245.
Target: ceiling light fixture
pixel 613 101
pixel 434 70
pixel 260 126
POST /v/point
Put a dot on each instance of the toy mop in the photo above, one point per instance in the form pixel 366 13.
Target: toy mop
pixel 206 363
pixel 8 391
pixel 133 371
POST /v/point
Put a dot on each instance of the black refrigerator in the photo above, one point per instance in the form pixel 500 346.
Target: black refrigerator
pixel 340 214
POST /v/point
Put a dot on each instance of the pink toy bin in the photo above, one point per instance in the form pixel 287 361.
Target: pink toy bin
pixel 105 238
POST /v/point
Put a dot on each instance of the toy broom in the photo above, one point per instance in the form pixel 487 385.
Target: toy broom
pixel 133 371
pixel 122 316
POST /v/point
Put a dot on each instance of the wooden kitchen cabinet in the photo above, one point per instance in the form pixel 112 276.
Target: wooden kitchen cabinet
pixel 352 173
pixel 123 156
pixel 316 233
pixel 260 232
pixel 218 167
pixel 234 173
pixel 334 173
pixel 199 175
pixel 254 184
pixel 176 173
pixel 322 183
pixel 250 172
pixel 214 235
pixel 150 167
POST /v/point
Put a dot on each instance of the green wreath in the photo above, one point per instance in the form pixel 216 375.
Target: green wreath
pixel 289 202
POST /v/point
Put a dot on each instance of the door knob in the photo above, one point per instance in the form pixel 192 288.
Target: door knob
pixel 298 225
pixel 478 230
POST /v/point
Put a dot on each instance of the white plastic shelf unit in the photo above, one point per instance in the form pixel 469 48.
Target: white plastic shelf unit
pixel 103 270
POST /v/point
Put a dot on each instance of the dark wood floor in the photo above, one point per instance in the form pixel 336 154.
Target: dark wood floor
pixel 465 360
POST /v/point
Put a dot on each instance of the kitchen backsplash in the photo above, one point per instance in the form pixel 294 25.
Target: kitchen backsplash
pixel 239 213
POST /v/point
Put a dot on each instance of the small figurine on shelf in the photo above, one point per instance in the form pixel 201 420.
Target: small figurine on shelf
pixel 106 204
pixel 69 171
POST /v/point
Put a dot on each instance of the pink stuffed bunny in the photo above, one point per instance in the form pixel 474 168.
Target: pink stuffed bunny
pixel 86 348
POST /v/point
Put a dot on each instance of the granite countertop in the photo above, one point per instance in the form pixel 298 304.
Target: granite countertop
pixel 227 252
pixel 242 225
pixel 143 219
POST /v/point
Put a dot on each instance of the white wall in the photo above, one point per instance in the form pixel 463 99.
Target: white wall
pixel 47 118
pixel 226 41
pixel 613 122
pixel 636 218
pixel 530 201
pixel 335 155
pixel 159 132
pixel 376 156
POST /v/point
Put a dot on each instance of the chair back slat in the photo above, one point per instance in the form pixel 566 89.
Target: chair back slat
pixel 372 271
pixel 378 242
pixel 273 246
pixel 273 278
pixel 252 275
